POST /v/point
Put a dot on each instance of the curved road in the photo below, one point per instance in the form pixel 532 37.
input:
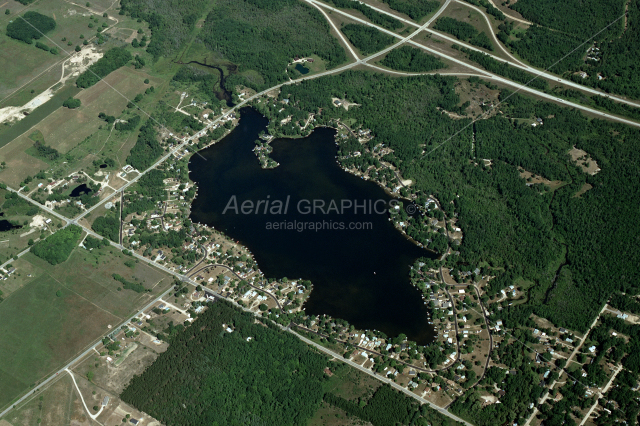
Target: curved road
pixel 535 71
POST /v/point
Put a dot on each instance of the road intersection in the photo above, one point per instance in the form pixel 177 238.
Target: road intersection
pixel 358 62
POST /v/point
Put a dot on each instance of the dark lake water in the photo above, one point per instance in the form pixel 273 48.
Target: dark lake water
pixel 361 275
pixel 80 190
pixel 5 225
pixel 302 69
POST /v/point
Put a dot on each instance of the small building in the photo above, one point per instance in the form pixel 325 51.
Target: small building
pixel 105 401
pixel 134 421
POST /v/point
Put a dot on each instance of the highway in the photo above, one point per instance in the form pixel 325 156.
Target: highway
pixel 479 71
pixel 382 379
pixel 513 61
pixel 358 62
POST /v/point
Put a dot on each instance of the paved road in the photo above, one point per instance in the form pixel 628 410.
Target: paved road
pixel 188 140
pixel 489 75
pixel 514 62
pixel 575 351
pixel 381 378
pixel 42 384
pixel 604 390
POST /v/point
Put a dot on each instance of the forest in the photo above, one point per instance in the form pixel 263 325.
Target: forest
pixel 411 59
pixel 146 150
pixel 580 18
pixel 366 39
pixel 463 31
pixel 374 16
pixel 613 68
pixel 30 26
pixel 57 247
pixel 527 230
pixel 388 407
pixel 107 226
pixel 171 21
pixel 416 9
pixel 113 59
pixel 543 48
pixel 255 374
pixel 263 36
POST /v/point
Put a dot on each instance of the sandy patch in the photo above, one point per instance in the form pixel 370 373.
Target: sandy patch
pixel 525 174
pixel 585 188
pixel 72 12
pixel 38 221
pixel 343 103
pixel 584 161
pixel 75 65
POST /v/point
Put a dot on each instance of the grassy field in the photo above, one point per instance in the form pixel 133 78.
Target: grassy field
pixel 71 22
pixel 59 404
pixel 61 310
pixel 79 132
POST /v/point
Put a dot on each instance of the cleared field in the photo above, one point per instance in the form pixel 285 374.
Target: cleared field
pixel 65 128
pixel 77 131
pixel 71 22
pixel 59 404
pixel 61 310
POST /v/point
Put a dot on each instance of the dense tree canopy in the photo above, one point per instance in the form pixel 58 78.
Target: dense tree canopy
pixel 416 9
pixel 171 21
pixel 57 247
pixel 113 59
pixel 30 26
pixel 146 150
pixel 366 39
pixel 107 226
pixel 263 36
pixel 463 31
pixel 252 375
pixel 374 16
pixel 407 58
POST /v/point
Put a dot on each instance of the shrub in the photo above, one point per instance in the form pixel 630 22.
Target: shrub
pixel 71 103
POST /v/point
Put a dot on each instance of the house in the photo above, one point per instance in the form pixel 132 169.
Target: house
pixel 105 401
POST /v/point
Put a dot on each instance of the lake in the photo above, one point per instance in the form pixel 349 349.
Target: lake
pixel 360 275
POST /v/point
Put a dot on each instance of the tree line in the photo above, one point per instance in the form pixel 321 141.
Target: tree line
pixel 113 59
pixel 411 59
pixel 374 16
